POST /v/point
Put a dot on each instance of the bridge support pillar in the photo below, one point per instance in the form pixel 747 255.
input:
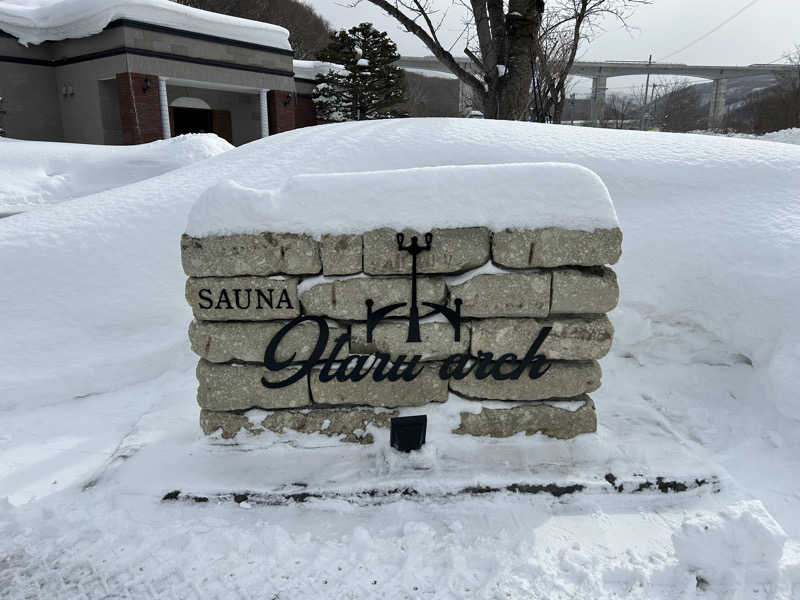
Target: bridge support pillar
pixel 598 102
pixel 716 111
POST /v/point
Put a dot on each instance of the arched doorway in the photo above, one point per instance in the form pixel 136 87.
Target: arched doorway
pixel 194 115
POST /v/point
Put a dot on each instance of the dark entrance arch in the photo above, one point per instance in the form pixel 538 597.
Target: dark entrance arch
pixel 192 120
pixel 201 120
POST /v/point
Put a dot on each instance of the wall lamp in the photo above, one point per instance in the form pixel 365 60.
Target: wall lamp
pixel 146 85
pixel 288 99
pixel 67 90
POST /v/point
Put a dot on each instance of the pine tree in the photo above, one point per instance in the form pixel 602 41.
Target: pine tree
pixel 368 85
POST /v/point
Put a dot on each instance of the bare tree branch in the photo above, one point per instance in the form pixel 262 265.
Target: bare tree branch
pixel 438 51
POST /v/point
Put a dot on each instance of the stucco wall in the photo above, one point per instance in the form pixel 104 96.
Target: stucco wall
pixel 304 86
pixel 81 113
pixel 31 93
pixel 160 41
pixel 210 74
pixel 110 113
pixel 431 96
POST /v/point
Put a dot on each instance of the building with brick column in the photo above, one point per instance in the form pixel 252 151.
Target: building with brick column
pixel 150 70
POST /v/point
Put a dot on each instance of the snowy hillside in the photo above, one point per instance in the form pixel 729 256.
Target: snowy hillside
pixel 37 174
pixel 97 395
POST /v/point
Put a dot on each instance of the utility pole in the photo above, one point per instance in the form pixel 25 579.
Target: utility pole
pixel 572 108
pixel 646 89
pixel 655 102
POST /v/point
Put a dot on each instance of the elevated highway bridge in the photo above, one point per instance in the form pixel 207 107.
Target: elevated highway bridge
pixel 600 71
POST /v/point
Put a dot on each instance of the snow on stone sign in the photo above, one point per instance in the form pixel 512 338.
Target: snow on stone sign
pixel 340 298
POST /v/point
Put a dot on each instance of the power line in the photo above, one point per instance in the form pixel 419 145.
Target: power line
pixel 786 56
pixel 713 30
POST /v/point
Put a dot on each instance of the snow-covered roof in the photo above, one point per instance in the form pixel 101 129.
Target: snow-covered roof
pixel 37 21
pixel 523 195
pixel 308 69
pixel 430 73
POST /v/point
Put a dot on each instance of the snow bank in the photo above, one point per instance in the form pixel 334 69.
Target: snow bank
pixel 92 289
pixel 738 548
pixel 496 196
pixel 37 174
pixel 785 136
pixel 37 21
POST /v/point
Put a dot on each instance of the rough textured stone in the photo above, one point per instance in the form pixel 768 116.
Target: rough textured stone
pixel 344 299
pixel 247 341
pixel 238 387
pixel 562 380
pixel 351 423
pixel 546 418
pixel 504 295
pixel 556 247
pixel 390 337
pixel 571 338
pixel 341 254
pixel 257 254
pixel 220 293
pixel 578 291
pixel 427 387
pixel 452 251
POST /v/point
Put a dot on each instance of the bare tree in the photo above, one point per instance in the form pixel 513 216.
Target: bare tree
pixel 621 108
pixel 567 24
pixel 678 106
pixel 506 33
pixel 523 53
pixel 671 105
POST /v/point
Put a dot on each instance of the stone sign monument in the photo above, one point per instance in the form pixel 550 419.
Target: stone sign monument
pixel 331 326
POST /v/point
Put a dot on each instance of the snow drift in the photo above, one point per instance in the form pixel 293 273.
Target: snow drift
pixel 37 174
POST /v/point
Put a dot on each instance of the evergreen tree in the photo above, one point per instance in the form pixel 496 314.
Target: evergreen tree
pixel 368 85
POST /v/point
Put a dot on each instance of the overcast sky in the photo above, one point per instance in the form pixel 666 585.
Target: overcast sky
pixel 760 34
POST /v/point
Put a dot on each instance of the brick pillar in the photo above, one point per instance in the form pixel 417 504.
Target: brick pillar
pixel 139 107
pixel 281 106
pixel 306 113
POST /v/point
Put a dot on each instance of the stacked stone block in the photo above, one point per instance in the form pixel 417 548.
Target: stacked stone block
pixel 244 288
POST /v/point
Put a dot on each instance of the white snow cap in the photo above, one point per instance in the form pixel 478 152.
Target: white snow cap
pixel 308 69
pixel 523 195
pixel 430 73
pixel 37 21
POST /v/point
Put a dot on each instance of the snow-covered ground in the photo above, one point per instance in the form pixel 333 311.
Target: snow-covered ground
pixel 38 174
pixel 99 419
pixel 785 136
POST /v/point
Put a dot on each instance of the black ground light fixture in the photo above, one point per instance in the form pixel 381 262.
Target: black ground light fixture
pixel 408 433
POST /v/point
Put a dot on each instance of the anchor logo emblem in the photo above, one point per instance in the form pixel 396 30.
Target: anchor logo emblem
pixel 452 315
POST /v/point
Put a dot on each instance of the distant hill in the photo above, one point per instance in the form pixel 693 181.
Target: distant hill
pixel 738 89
